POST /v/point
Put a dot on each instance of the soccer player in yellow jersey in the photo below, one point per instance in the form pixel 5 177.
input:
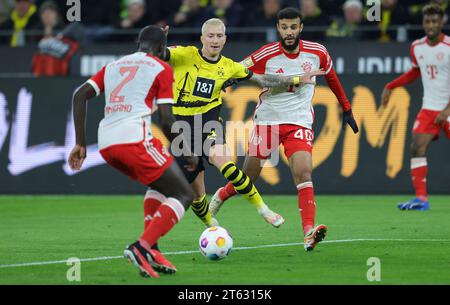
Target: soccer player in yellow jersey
pixel 200 75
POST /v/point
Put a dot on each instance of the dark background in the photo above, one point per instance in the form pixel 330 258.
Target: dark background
pixel 51 109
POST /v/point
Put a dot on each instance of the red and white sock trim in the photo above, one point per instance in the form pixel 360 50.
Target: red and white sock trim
pixel 305 185
pixel 418 162
pixel 176 207
pixel 152 194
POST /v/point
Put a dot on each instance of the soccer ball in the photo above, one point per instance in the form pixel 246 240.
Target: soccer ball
pixel 215 243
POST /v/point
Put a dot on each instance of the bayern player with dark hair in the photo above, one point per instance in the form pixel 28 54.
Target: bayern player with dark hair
pixel 286 115
pixel 134 86
pixel 430 57
pixel 200 75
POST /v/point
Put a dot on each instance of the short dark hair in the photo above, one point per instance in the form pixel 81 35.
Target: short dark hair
pixel 433 9
pixel 48 5
pixel 152 36
pixel 290 13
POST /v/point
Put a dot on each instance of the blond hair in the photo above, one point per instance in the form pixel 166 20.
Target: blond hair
pixel 213 22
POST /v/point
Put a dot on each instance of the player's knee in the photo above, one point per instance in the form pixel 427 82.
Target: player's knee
pixel 218 160
pixel 219 155
pixel 303 176
pixel 417 150
pixel 306 177
pixel 183 193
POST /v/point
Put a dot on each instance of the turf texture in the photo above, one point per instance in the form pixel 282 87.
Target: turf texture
pixel 412 247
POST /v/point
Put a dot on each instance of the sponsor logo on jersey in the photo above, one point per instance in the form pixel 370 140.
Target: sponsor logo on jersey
pixel 204 87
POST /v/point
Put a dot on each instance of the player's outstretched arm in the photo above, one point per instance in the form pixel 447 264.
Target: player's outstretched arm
pixel 403 80
pixel 79 101
pixel 268 81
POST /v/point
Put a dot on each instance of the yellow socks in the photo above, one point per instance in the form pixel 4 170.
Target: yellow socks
pixel 201 209
pixel 243 185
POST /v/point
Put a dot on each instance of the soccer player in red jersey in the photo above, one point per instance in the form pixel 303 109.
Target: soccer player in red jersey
pixel 285 115
pixel 431 60
pixel 133 86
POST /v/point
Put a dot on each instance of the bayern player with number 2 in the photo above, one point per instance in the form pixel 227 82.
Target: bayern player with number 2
pixel 430 59
pixel 134 85
pixel 285 115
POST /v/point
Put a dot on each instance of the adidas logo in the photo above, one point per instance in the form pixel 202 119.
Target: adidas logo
pixel 280 71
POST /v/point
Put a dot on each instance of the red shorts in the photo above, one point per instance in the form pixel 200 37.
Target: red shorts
pixel 144 161
pixel 265 139
pixel 425 124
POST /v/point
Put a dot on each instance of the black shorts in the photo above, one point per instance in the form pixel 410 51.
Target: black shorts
pixel 206 130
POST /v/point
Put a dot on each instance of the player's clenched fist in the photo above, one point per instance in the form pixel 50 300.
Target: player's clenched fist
pixel 77 157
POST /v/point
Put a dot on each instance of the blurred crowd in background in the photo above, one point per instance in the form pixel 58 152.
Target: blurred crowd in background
pixel 28 21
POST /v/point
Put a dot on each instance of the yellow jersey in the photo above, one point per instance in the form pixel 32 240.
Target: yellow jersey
pixel 199 81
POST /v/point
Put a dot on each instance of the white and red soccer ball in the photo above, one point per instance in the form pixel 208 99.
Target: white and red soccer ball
pixel 215 243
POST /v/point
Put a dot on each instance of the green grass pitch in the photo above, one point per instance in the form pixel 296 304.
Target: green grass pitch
pixel 413 247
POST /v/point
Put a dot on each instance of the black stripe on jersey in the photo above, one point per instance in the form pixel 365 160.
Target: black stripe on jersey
pixel 250 74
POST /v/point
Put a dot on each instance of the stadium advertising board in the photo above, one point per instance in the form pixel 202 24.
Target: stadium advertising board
pixel 366 58
pixel 36 136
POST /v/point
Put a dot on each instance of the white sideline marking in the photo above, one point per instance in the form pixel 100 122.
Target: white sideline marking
pixel 106 258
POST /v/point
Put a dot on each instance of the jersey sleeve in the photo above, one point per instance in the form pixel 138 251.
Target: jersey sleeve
pixel 326 63
pixel 240 72
pixel 98 81
pixel 413 57
pixel 405 79
pixel 164 83
pixel 254 65
pixel 177 54
pixel 336 86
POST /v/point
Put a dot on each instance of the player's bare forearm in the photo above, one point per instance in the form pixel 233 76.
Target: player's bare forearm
pixel 167 120
pixel 79 101
pixel 447 109
pixel 269 81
